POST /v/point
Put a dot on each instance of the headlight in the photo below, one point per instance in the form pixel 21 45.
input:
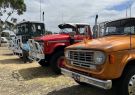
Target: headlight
pixel 99 57
pixel 66 53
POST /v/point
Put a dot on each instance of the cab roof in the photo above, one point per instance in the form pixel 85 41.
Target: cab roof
pixel 122 22
pixel 72 25
pixel 23 22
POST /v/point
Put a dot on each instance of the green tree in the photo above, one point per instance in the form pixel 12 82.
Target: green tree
pixel 16 6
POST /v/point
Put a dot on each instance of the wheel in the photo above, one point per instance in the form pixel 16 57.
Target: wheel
pixel 127 82
pixel 21 57
pixel 25 56
pixel 44 63
pixel 56 61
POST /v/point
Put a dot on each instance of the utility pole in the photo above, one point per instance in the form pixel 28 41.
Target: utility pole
pixel 43 16
pixel 126 13
pixel 40 10
pixel 130 10
pixel 62 16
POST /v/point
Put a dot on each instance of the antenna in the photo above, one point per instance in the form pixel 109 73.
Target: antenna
pixel 62 16
pixel 130 11
pixel 43 16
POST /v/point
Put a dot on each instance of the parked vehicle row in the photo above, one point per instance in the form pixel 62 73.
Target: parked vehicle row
pixel 104 60
pixel 32 44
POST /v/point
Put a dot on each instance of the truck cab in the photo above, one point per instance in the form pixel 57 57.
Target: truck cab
pixel 53 45
pixel 25 30
pixel 105 62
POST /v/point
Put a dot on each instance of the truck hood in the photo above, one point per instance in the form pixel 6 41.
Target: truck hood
pixel 53 37
pixel 107 44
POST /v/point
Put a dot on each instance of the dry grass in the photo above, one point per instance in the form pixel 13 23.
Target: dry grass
pixel 18 78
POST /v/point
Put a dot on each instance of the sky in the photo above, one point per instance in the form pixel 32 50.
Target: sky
pixel 76 11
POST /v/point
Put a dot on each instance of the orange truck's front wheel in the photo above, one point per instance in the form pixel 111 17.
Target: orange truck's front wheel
pixel 126 84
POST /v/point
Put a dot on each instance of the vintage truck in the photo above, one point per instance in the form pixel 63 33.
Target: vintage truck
pixel 105 62
pixel 53 45
pixel 26 30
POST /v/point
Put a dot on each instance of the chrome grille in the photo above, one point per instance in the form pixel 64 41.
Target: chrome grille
pixel 82 58
pixel 41 44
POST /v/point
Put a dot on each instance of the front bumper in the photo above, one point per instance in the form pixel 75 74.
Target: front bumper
pixel 104 84
pixel 18 52
pixel 36 56
pixel 36 51
pixel 15 46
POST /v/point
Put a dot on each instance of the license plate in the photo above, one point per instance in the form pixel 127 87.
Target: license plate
pixel 76 76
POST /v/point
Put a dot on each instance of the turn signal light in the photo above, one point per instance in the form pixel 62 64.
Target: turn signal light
pixel 111 59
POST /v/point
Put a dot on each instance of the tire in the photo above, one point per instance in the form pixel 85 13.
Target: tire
pixel 125 82
pixel 25 56
pixel 20 57
pixel 55 64
pixel 43 63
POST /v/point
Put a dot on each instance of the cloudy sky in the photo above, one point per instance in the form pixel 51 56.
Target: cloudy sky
pixel 63 11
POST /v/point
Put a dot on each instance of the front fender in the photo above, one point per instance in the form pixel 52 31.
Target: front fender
pixel 127 61
pixel 54 47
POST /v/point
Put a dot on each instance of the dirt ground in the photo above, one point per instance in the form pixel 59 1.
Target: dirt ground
pixel 18 78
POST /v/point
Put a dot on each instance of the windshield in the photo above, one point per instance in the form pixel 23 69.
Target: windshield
pixel 21 29
pixel 119 30
pixel 66 30
pixel 69 30
pixel 33 29
pixel 37 30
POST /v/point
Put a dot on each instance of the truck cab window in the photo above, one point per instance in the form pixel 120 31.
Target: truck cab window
pixel 81 31
pixel 128 30
pixel 33 28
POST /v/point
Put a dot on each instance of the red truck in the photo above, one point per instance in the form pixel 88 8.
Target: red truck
pixel 53 45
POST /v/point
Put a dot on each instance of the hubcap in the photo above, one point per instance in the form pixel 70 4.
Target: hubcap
pixel 60 61
pixel 131 86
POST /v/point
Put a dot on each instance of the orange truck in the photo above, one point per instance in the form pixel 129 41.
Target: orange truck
pixel 105 62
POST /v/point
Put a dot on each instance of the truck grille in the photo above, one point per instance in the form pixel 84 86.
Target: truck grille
pixel 41 44
pixel 81 58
